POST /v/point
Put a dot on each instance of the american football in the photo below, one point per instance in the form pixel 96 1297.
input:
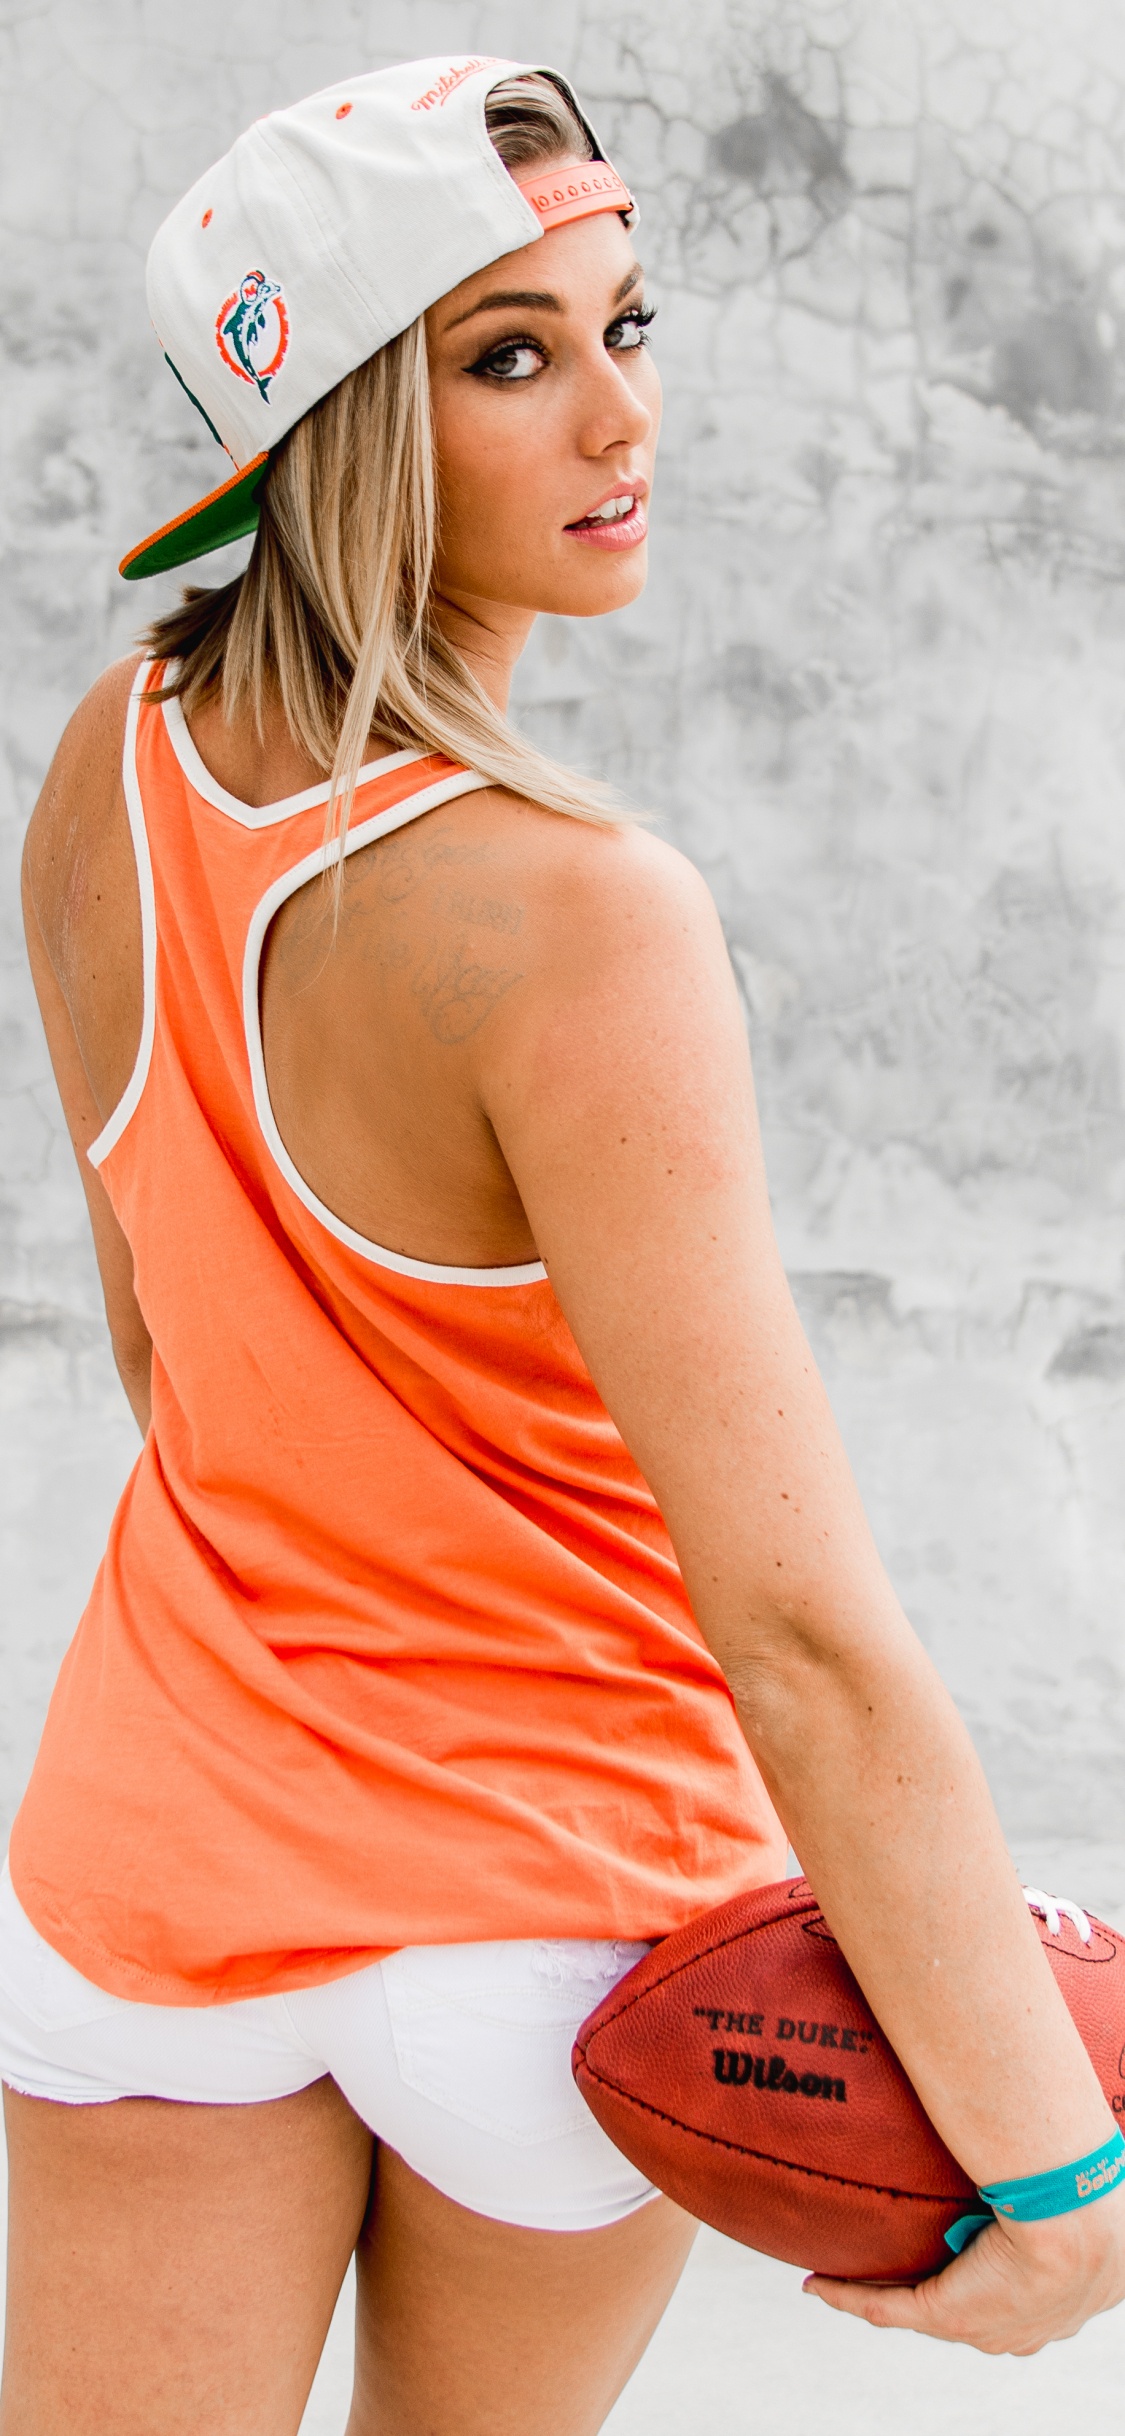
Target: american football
pixel 740 2066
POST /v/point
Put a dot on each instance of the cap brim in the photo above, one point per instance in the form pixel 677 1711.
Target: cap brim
pixel 225 515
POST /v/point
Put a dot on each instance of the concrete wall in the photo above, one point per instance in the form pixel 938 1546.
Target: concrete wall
pixel 875 689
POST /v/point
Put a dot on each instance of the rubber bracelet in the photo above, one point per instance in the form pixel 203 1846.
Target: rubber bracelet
pixel 1070 2186
pixel 958 2236
pixel 1039 2196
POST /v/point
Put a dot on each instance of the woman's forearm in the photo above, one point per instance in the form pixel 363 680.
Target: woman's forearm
pixel 884 1799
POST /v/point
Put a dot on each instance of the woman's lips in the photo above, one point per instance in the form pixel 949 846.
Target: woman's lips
pixel 622 534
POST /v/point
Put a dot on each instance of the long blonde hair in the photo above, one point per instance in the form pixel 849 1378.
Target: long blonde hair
pixel 334 611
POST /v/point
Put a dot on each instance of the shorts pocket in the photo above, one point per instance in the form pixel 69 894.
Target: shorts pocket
pixel 38 1982
pixel 486 2031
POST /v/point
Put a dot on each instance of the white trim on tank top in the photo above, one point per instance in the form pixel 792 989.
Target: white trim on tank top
pixel 252 816
pixel 258 816
pixel 364 833
pixel 113 1129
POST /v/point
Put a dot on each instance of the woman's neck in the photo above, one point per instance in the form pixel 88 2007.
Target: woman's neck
pixel 263 767
pixel 488 636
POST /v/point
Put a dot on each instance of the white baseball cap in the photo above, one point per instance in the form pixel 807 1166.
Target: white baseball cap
pixel 324 231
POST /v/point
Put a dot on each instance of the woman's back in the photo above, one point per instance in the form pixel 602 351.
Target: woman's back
pixel 393 1617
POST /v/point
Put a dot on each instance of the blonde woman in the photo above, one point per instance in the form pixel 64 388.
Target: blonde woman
pixel 491 1583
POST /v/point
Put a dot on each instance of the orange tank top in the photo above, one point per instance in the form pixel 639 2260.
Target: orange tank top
pixel 389 1645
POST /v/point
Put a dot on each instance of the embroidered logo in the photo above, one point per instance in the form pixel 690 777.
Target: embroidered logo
pixel 252 331
pixel 437 95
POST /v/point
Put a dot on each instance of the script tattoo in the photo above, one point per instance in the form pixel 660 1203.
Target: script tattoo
pixel 404 913
pixel 482 913
pixel 398 863
pixel 456 995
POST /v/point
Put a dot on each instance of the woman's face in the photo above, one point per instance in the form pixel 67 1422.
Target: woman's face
pixel 546 411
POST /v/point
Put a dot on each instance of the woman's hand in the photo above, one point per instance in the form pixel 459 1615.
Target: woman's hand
pixel 1016 2287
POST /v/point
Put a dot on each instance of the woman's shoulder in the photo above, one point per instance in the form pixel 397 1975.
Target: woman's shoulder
pixel 593 891
pixel 611 941
pixel 594 867
pixel 81 805
pixel 88 755
pixel 97 726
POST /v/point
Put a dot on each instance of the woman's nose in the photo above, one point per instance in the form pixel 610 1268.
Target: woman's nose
pixel 615 417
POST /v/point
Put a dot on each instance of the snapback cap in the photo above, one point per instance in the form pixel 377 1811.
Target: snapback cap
pixel 324 232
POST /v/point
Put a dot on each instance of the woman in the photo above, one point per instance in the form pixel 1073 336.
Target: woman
pixel 490 1514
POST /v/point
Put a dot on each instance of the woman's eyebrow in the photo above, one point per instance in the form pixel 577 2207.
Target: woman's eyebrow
pixel 530 298
pixel 509 296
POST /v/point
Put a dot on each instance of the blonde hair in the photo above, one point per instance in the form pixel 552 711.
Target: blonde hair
pixel 334 613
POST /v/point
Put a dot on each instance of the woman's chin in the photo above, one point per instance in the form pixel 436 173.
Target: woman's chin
pixel 593 590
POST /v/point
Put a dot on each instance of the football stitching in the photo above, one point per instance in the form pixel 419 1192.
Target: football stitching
pixel 612 2013
pixel 887 2190
pixel 699 1953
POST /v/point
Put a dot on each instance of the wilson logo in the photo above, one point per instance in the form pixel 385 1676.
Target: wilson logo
pixel 437 95
pixel 740 2070
pixel 252 331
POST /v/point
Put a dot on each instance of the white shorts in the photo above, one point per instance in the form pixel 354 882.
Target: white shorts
pixel 458 2056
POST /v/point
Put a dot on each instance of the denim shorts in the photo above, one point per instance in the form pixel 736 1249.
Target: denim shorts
pixel 458 2056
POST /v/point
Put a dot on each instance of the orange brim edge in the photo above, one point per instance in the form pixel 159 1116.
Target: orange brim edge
pixel 206 526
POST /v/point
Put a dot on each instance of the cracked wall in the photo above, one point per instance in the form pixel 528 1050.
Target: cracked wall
pixel 875 690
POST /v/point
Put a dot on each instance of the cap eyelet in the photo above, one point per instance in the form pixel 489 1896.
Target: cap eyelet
pixel 344 110
pixel 208 216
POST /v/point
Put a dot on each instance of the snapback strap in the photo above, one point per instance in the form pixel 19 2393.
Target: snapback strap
pixel 572 194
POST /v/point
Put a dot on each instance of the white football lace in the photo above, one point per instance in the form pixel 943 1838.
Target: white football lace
pixel 1053 1907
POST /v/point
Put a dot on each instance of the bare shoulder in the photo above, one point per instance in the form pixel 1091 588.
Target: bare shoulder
pixel 624 977
pixel 593 889
pixel 80 795
pixel 78 857
pixel 89 749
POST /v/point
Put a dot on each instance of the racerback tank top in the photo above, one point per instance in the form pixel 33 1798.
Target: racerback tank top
pixel 389 1645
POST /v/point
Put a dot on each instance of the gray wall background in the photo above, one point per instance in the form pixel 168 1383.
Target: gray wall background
pixel 875 690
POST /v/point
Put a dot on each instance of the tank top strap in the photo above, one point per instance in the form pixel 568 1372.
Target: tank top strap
pixel 213 870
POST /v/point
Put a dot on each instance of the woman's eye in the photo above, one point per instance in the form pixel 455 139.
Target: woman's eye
pixel 631 332
pixel 515 360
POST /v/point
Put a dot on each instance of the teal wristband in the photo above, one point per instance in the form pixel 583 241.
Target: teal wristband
pixel 1039 2196
pixel 1071 2186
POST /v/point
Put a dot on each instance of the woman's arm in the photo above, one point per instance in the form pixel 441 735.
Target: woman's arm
pixel 82 796
pixel 620 1091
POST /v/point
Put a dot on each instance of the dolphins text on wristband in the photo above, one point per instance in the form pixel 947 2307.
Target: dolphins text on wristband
pixel 1071 2186
pixel 1041 2195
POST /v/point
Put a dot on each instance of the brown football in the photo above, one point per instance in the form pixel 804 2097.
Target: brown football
pixel 741 2068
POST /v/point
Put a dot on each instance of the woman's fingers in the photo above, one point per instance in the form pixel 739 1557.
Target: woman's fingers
pixel 1013 2290
pixel 953 2306
pixel 878 2304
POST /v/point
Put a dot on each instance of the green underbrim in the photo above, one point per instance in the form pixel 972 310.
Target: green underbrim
pixel 226 515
